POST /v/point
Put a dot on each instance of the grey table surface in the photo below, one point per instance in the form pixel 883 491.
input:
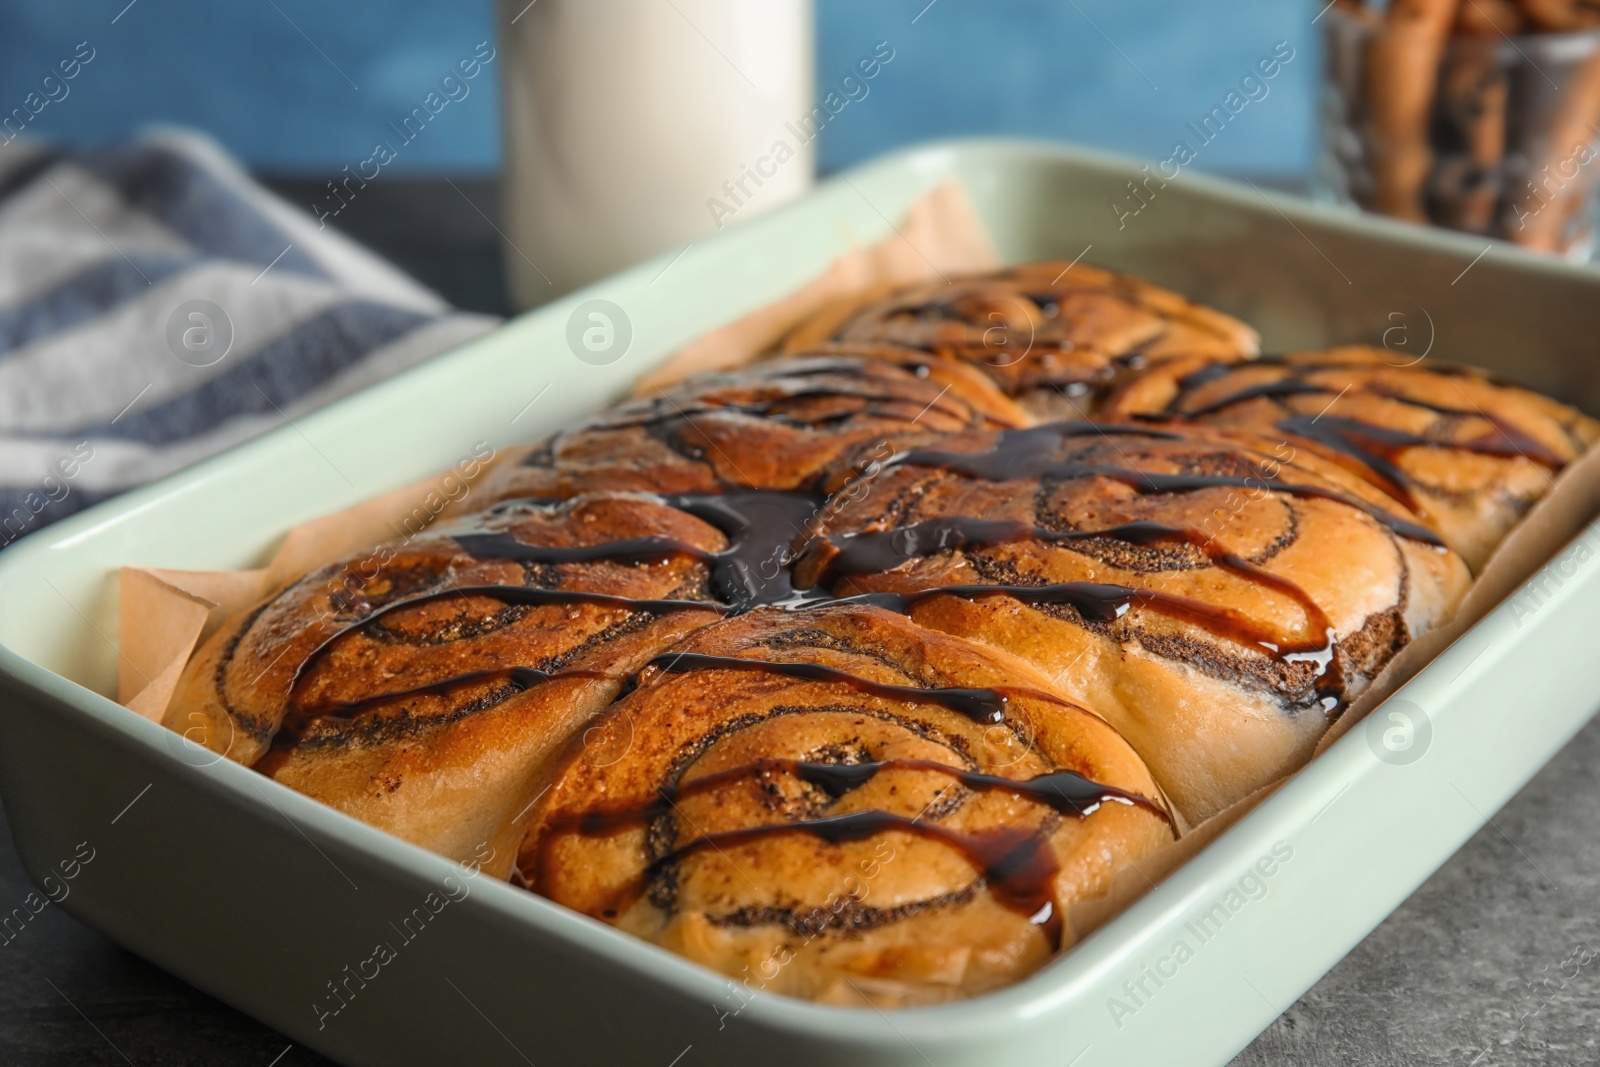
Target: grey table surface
pixel 1494 960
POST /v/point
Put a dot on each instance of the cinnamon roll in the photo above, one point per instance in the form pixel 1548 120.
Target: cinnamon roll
pixel 841 675
pixel 1467 454
pixel 835 803
pixel 1055 336
pixel 777 426
pixel 1219 598
pixel 423 687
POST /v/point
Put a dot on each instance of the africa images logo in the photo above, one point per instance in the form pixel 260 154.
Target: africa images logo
pixel 1201 929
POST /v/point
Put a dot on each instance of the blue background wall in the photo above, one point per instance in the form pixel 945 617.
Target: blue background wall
pixel 306 85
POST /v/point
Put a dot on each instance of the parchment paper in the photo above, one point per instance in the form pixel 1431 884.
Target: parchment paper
pixel 941 237
pixel 164 615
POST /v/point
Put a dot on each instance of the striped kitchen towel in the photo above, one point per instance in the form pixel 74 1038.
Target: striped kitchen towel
pixel 158 306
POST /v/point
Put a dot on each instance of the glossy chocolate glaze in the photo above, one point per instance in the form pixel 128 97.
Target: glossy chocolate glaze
pixel 1064 792
pixel 1021 455
pixel 1016 864
pixel 758 524
pixel 1375 447
pixel 514 679
pixel 986 706
pixel 762 528
pixel 1098 602
pixel 521 595
pixel 864 398
pixel 762 525
pixel 874 552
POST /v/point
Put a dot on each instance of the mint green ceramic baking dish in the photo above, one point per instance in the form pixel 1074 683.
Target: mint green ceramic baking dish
pixel 272 902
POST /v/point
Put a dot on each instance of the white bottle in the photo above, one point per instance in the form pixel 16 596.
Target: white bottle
pixel 637 126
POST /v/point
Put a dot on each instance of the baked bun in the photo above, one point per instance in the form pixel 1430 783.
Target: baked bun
pixel 423 686
pixel 1218 598
pixel 837 804
pixel 1467 454
pixel 841 674
pixel 777 426
pixel 1054 335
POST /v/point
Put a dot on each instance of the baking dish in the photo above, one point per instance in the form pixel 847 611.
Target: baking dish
pixel 275 904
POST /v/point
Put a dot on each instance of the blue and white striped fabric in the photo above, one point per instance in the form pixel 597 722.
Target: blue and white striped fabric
pixel 158 306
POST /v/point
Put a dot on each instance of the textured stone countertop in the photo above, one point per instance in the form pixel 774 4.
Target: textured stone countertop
pixel 1495 960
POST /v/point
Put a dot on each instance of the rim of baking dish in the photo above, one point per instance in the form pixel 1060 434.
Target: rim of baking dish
pixel 1110 949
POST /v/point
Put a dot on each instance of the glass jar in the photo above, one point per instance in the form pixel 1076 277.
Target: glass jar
pixel 1491 134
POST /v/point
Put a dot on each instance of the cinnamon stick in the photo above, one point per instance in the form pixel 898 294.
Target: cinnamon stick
pixel 1402 77
pixel 1473 91
pixel 1490 18
pixel 1561 15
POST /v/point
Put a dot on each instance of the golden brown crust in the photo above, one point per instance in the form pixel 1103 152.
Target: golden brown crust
pixel 1019 658
pixel 960 378
pixel 1193 576
pixel 780 425
pixel 1054 335
pixel 421 687
pixel 830 838
pixel 1468 454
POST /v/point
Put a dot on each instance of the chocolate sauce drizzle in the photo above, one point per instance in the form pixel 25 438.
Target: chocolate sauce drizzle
pixel 1375 448
pixel 516 679
pixel 1098 602
pixel 518 595
pixel 1016 864
pixel 667 416
pixel 1034 453
pixel 761 526
pixel 1281 387
pixel 1064 792
pixel 987 706
pixel 877 551
pixel 667 411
